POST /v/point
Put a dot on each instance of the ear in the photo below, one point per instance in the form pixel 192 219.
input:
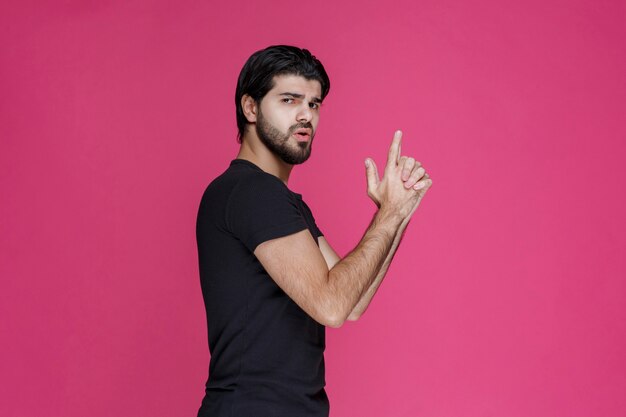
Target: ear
pixel 249 107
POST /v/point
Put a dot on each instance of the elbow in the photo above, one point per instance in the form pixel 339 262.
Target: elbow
pixel 335 324
pixel 334 321
pixel 338 320
pixel 331 313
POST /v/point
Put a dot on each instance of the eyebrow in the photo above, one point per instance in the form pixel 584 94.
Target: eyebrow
pixel 296 95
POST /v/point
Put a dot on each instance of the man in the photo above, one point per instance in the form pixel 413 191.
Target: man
pixel 270 280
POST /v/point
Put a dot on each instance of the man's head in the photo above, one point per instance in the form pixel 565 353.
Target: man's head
pixel 262 98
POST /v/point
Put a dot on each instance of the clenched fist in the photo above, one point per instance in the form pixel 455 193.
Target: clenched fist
pixel 404 183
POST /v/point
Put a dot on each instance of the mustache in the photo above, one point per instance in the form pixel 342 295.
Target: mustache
pixel 306 125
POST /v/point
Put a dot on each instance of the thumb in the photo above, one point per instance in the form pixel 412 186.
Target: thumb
pixel 371 173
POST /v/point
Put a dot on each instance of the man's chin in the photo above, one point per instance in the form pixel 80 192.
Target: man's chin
pixel 300 159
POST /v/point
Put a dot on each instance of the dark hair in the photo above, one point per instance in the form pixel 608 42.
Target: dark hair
pixel 257 75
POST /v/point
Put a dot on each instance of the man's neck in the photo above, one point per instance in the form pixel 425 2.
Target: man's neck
pixel 262 157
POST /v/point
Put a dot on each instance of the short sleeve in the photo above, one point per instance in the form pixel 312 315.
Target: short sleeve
pixel 261 208
pixel 311 220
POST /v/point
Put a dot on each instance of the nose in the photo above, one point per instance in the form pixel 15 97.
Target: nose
pixel 305 114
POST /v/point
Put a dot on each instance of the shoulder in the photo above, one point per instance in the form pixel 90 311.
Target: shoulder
pixel 259 186
pixel 243 182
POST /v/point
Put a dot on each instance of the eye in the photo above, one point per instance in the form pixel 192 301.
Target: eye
pixel 314 105
pixel 287 100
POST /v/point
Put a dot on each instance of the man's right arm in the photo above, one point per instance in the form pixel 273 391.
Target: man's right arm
pixel 298 266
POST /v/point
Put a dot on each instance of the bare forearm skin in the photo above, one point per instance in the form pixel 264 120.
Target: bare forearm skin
pixel 366 298
pixel 356 273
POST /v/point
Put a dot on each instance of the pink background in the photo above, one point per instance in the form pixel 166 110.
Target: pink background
pixel 507 295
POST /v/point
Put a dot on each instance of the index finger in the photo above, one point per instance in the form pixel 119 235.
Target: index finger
pixel 394 149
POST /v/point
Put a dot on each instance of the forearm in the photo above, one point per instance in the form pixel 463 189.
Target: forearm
pixel 351 277
pixel 366 298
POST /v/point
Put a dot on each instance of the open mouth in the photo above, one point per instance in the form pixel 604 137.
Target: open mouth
pixel 301 136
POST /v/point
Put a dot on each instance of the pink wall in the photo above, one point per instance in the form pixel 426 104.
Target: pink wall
pixel 507 296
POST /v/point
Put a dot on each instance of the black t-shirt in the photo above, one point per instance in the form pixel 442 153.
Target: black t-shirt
pixel 267 354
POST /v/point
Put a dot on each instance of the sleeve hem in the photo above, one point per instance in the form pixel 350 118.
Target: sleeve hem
pixel 276 232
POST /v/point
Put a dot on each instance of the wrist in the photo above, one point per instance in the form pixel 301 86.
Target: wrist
pixel 388 215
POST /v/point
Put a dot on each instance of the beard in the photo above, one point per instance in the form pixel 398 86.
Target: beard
pixel 278 142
